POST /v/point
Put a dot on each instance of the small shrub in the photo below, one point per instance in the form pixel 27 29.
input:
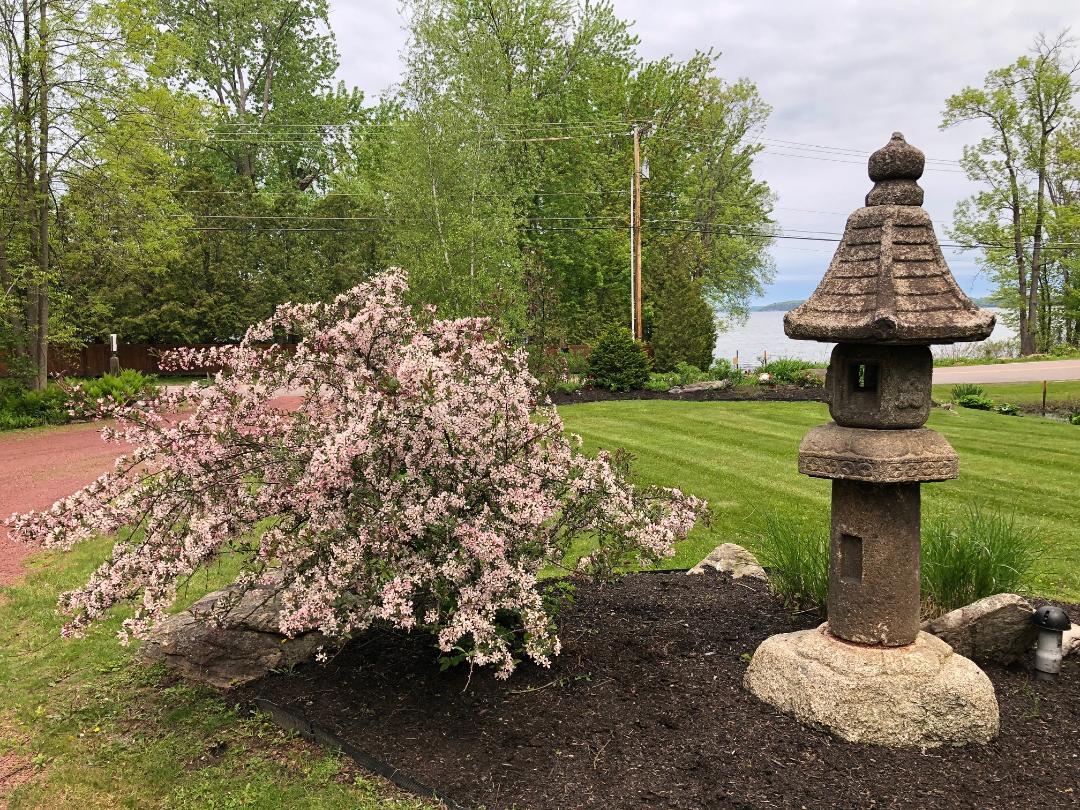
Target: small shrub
pixel 618 362
pixel 71 399
pixel 977 402
pixel 797 559
pixel 661 382
pixel 10 421
pixel 686 374
pixel 1008 409
pixel 721 369
pixel 1074 419
pixel 809 378
pixel 973 554
pixel 784 369
pixel 571 386
pixel 967 390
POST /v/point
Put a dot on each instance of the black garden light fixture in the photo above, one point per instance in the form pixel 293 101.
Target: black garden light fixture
pixel 1052 621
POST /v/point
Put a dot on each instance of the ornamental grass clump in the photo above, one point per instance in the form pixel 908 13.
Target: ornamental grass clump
pixel 973 553
pixel 796 555
pixel 417 483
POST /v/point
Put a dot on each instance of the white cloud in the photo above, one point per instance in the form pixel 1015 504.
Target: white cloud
pixel 841 73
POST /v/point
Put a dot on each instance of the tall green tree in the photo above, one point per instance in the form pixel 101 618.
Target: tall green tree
pixel 266 213
pixel 1022 107
pixel 77 104
pixel 513 194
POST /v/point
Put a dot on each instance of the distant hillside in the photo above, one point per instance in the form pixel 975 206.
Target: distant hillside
pixel 779 306
pixel 784 306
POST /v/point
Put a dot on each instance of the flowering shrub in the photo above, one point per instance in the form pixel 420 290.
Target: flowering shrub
pixel 417 482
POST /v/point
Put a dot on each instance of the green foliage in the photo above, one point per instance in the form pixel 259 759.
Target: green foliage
pixel 683 329
pixel 966 555
pixel 569 386
pixel 1008 409
pixel 1074 419
pixel 662 382
pixel 796 558
pixel 73 399
pixel 973 553
pixel 686 373
pixel 618 362
pixel 21 408
pixel 784 370
pixel 967 390
pixel 107 731
pixel 977 402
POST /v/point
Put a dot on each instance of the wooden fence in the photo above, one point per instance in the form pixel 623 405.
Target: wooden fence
pixel 92 360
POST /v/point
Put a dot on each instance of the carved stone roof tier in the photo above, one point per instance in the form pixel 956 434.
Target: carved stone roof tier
pixel 888 281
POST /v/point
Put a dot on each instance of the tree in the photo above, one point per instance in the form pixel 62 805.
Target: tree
pixel 1024 105
pixel 416 484
pixel 519 116
pixel 683 325
pixel 86 171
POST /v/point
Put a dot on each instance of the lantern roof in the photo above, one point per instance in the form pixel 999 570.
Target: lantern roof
pixel 888 281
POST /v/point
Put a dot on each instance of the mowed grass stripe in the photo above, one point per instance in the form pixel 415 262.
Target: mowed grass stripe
pixel 742 457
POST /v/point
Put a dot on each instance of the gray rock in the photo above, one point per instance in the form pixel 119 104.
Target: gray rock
pixel 244 647
pixel 997 628
pixel 923 695
pixel 705 385
pixel 734 559
pixel 1070 641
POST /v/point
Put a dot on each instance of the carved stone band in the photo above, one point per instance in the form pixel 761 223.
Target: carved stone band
pixel 877 456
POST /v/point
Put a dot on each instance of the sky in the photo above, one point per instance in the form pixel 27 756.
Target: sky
pixel 839 74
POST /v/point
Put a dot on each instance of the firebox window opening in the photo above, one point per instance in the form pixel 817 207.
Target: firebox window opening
pixel 864 377
pixel 850 558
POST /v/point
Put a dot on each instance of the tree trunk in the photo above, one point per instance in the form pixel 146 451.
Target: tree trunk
pixel 43 201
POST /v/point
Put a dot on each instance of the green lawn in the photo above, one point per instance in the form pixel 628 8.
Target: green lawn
pixel 742 457
pixel 1020 393
pixel 93 729
pixel 97 730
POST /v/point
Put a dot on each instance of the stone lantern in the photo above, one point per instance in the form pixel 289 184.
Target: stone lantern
pixel 869 674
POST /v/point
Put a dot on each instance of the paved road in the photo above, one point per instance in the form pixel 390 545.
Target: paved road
pixel 1010 372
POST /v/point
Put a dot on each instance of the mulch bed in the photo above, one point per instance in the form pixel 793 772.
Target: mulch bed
pixel 645 709
pixel 748 393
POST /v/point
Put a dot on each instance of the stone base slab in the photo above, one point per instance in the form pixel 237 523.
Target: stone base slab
pixel 921 695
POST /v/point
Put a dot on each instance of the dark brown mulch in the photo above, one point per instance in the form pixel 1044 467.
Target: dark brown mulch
pixel 645 709
pixel 779 393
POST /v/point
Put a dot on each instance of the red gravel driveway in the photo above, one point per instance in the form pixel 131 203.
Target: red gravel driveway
pixel 37 467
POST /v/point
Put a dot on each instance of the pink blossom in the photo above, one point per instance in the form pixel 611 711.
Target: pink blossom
pixel 419 483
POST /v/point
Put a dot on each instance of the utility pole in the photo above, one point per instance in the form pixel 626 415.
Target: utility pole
pixel 636 226
pixel 633 264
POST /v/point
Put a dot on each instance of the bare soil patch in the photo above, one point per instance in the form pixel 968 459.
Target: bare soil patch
pixel 645 708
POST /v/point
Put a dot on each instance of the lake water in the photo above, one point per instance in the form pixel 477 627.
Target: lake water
pixel 764 332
